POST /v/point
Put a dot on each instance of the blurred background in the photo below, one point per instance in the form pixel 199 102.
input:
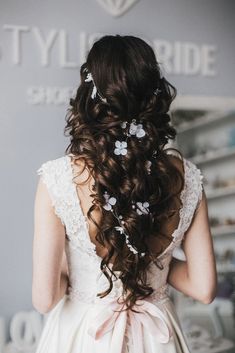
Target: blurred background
pixel 42 46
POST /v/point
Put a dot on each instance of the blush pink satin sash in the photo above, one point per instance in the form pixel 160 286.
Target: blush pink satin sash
pixel 149 316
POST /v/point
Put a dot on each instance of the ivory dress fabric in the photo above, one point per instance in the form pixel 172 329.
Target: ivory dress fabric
pixel 81 322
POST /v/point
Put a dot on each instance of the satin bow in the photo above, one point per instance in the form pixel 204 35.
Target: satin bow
pixel 149 315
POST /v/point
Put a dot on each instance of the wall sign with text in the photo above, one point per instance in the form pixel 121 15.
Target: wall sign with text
pixel 52 48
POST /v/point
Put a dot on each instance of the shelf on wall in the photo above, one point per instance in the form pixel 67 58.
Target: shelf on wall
pixel 215 155
pixel 205 120
pixel 202 140
pixel 220 192
pixel 223 230
pixel 227 268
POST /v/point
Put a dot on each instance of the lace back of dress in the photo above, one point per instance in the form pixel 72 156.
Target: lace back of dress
pixel 86 278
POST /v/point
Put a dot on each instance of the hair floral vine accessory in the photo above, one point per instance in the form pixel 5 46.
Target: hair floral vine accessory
pixel 137 130
pixel 142 207
pixel 89 78
pixel 110 202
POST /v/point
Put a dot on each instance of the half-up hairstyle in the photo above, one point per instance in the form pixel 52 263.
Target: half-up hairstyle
pixel 126 73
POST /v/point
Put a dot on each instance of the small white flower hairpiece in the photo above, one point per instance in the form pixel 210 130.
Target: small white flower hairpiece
pixel 136 129
pixel 121 147
pixel 110 201
pixel 142 207
pixel 89 78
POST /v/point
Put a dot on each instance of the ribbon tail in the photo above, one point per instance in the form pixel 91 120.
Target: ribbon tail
pixel 136 333
pixel 117 339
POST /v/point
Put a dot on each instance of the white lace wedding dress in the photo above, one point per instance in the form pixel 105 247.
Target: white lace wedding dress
pixel 81 322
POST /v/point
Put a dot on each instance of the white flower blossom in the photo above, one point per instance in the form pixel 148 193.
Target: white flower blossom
pixel 120 147
pixel 142 208
pixel 137 129
pixel 110 201
pixel 89 78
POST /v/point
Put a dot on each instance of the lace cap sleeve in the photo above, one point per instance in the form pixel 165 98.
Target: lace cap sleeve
pixel 51 173
pixel 198 182
pixel 199 176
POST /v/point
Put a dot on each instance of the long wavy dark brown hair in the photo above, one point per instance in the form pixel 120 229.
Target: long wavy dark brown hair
pixel 126 73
